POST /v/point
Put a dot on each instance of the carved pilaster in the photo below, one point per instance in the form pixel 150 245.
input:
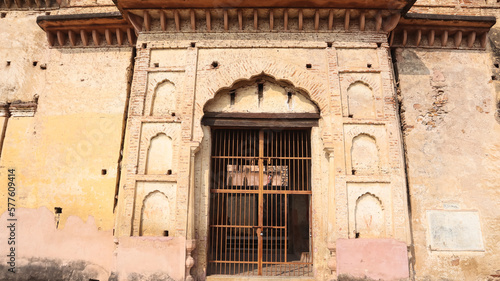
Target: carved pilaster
pixel 190 237
pixel 332 238
pixel 190 246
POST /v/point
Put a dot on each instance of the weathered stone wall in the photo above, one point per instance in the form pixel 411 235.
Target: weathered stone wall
pixel 453 158
pixel 195 67
pixel 66 155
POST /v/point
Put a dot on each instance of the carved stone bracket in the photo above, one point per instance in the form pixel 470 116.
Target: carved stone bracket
pixel 19 109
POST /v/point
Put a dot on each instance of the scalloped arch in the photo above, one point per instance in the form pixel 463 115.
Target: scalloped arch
pixel 308 81
pixel 370 194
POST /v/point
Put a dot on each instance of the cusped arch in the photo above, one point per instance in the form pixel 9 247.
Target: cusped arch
pixel 311 82
pixel 369 216
pixel 367 80
pixel 149 132
pixel 361 100
pixel 261 93
pixel 163 99
pixel 365 156
pixel 160 154
pixel 155 214
pixel 243 68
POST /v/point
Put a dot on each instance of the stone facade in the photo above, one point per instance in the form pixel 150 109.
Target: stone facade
pixel 102 120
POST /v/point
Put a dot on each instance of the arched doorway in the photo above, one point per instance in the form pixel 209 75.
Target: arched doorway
pixel 260 180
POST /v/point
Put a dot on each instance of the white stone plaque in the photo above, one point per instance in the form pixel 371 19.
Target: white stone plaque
pixel 455 231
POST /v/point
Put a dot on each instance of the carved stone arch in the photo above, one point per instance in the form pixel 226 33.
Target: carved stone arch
pixel 372 194
pixel 159 155
pixel 286 98
pixel 365 154
pixel 365 79
pixel 246 68
pixel 361 100
pixel 165 104
pixel 369 216
pixel 157 220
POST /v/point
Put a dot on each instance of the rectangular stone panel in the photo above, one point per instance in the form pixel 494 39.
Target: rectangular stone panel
pixel 372 259
pixel 454 231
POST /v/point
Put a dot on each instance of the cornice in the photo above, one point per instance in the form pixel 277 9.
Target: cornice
pixel 87 30
pixel 18 109
pixel 442 31
pixel 119 29
pixel 262 20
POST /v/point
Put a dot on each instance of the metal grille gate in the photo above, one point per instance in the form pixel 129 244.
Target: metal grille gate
pixel 260 203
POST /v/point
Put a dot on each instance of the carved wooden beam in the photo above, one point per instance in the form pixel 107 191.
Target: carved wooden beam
pixel 330 20
pixel 418 37
pixel 226 20
pixel 378 21
pixel 147 20
pixel 255 19
pixel 109 38
pixel 72 38
pixel 347 19
pixel 458 38
pixel 444 38
pixel 271 19
pixel 240 19
pixel 362 19
pixel 301 19
pixel 209 20
pixel 131 37
pixel 484 39
pixel 84 37
pixel 470 39
pixel 285 19
pixel 96 38
pixel 119 37
pixel 50 38
pixel 405 37
pixel 432 35
pixel 193 20
pixel 316 20
pixel 391 22
pixel 163 20
pixel 136 22
pixel 177 20
pixel 60 38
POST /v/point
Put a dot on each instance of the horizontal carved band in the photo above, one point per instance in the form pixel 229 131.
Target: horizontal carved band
pixel 87 30
pixel 287 19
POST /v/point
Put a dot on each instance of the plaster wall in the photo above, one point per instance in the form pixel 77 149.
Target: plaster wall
pixel 65 156
pixel 453 160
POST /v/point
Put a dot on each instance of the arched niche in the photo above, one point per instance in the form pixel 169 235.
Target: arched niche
pixel 163 102
pixel 155 215
pixel 361 102
pixel 159 157
pixel 369 217
pixel 261 94
pixel 364 155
